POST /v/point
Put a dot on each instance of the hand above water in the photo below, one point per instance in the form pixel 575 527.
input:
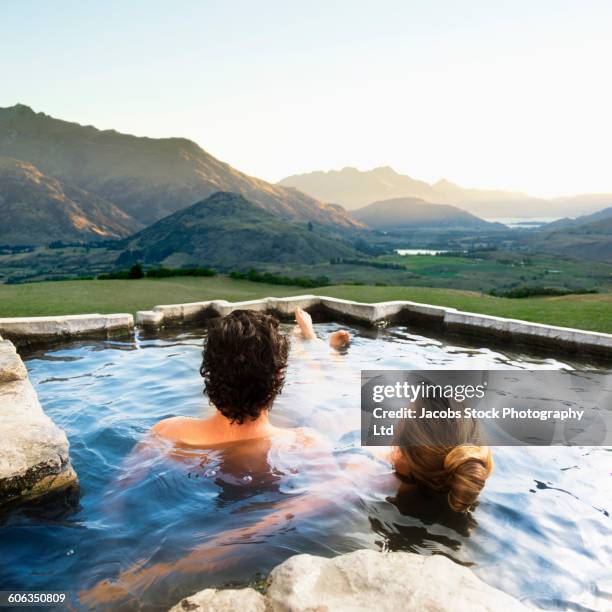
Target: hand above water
pixel 338 340
pixel 304 321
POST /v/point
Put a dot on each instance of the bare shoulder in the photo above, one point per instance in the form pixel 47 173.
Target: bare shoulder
pixel 172 427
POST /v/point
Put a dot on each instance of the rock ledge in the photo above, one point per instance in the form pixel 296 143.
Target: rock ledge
pixel 34 457
pixel 361 581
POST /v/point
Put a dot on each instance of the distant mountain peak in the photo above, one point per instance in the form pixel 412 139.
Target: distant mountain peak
pixel 224 196
pixel 221 200
pixel 22 108
pixel 17 111
pixel 416 213
pixel 354 189
pixel 445 183
pixel 384 170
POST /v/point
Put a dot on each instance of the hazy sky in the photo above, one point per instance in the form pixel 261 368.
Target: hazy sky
pixel 493 93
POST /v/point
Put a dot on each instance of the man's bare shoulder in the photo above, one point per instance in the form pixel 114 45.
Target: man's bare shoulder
pixel 172 427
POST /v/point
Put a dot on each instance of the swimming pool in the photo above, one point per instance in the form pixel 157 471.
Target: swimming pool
pixel 170 526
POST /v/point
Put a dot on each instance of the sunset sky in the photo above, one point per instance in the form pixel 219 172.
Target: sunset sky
pixel 512 95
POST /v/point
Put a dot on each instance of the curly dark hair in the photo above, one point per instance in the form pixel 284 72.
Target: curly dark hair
pixel 244 363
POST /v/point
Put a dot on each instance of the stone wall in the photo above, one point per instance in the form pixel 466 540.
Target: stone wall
pixel 26 330
pixel 361 581
pixel 507 332
pixel 438 319
pixel 34 458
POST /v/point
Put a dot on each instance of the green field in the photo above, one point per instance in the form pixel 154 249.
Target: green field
pixel 497 270
pixel 590 311
pixel 494 270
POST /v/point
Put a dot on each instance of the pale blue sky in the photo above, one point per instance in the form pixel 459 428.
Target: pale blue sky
pixel 511 94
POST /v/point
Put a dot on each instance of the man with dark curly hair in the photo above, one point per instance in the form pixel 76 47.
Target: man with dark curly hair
pixel 243 368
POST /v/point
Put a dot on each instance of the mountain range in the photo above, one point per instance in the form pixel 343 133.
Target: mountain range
pixel 61 181
pixel 147 178
pixel 353 189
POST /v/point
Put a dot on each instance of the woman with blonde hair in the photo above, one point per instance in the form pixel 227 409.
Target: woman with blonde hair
pixel 439 454
pixel 442 454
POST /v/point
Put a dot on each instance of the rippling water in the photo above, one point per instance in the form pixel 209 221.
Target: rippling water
pixel 146 530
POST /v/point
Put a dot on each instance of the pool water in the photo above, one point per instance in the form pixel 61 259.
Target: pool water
pixel 150 526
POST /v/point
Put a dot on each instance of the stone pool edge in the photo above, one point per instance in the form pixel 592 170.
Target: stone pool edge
pixel 439 318
pixel 33 330
pixel 35 457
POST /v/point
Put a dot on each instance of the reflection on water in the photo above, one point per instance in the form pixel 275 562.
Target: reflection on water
pixel 169 523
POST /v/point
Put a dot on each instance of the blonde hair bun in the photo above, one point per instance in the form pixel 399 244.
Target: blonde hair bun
pixel 468 468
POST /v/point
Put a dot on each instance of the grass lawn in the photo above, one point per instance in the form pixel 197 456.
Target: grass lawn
pixel 589 311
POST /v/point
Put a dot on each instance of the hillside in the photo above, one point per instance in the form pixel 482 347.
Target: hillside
pixel 353 189
pixel 588 237
pixel 580 205
pixel 567 222
pixel 227 231
pixel 37 209
pixel 400 213
pixel 148 178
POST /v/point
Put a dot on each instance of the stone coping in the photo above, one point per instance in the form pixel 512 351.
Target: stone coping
pixel 36 329
pixel 438 318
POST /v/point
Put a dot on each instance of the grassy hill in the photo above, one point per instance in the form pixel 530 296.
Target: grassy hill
pixel 226 231
pixel 590 312
pixel 398 213
pixel 588 237
pixel 568 222
pixel 148 178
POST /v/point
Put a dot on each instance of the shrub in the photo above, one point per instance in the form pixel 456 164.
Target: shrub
pixel 382 265
pixel 534 291
pixel 169 272
pixel 255 276
pixel 136 271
